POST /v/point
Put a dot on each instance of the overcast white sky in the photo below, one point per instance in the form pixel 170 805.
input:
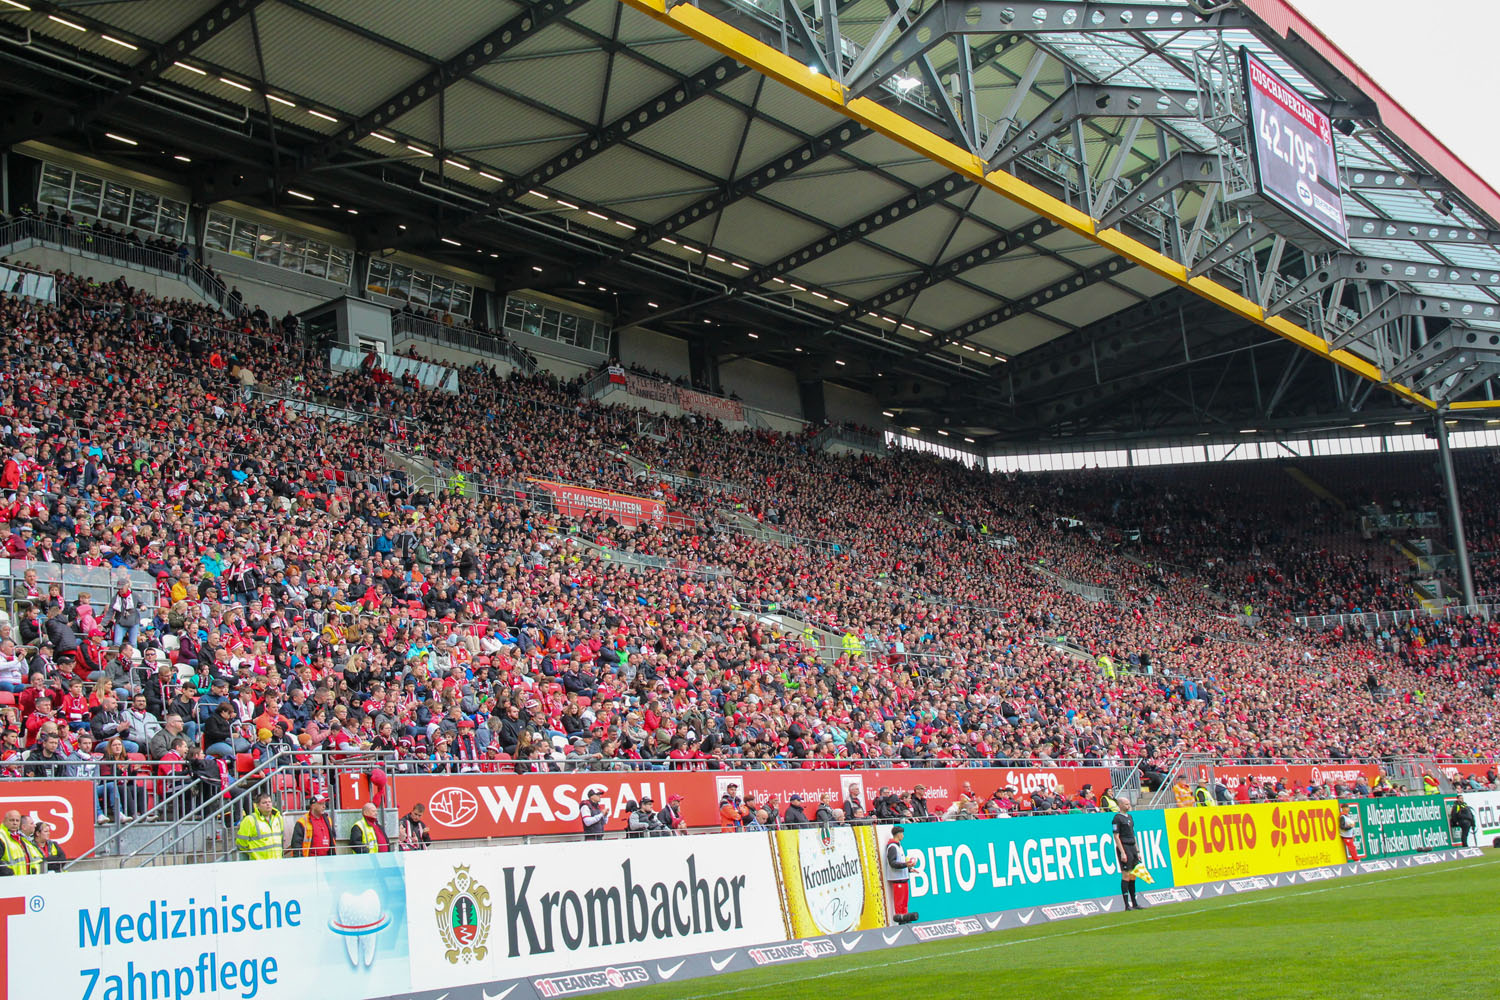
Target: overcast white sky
pixel 1439 58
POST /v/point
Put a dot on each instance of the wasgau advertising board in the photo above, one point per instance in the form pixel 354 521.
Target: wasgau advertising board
pixel 985 866
pixel 1228 842
pixel 253 930
pixel 493 913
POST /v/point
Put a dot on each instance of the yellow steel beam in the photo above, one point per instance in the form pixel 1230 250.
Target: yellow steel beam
pixel 778 66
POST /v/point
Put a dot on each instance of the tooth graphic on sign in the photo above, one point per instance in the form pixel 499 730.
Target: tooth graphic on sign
pixel 359 919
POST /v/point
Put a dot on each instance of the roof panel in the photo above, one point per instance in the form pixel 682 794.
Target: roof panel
pixel 569 84
pixel 1094 303
pixel 1021 334
pixel 623 173
pixel 349 72
pixel 704 134
pixel 836 198
pixel 758 233
pixel 923 235
pixel 463 21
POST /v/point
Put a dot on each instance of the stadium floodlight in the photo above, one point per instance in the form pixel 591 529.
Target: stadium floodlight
pixel 906 84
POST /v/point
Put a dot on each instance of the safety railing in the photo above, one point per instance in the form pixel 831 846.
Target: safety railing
pixel 406 326
pixel 88 242
pixel 1375 620
pixel 195 820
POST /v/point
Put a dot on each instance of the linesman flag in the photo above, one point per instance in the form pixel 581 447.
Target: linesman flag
pixel 1143 873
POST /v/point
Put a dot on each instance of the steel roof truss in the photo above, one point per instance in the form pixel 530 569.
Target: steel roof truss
pixel 532 20
pixel 1355 267
pixel 1362 228
pixel 1090 100
pixel 861 228
pixel 883 57
pixel 1039 299
pixel 1481 374
pixel 1400 304
pixel 1240 241
pixel 1181 170
pixel 1453 341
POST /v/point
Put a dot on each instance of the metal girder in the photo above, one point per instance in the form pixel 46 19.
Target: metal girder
pixel 217 19
pixel 1473 380
pixel 1432 380
pixel 1038 299
pixel 519 29
pixel 1355 267
pixel 792 14
pixel 1453 341
pixel 867 224
pixel 681 94
pixel 987 253
pixel 844 134
pixel 1177 171
pixel 35 119
pixel 1364 228
pixel 1091 100
pixel 1236 243
pixel 1401 304
pixel 946 18
pixel 1363 179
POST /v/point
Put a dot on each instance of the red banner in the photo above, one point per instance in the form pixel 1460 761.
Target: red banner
pixel 1295 775
pixel 576 501
pixel 1480 769
pixel 466 806
pixel 67 805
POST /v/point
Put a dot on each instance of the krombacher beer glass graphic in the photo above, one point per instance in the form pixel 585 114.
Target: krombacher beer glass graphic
pixel 830 880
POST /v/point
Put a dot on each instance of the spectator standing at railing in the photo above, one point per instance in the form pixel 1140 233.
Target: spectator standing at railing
pixel 414 834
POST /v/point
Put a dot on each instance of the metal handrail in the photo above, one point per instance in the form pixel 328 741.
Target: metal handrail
pixel 84 239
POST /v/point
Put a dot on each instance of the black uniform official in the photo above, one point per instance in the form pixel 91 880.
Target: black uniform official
pixel 1127 853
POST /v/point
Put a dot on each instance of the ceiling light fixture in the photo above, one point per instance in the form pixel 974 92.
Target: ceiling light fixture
pixel 191 69
pixel 66 24
pixel 383 137
pixel 318 114
pixel 451 243
pixel 491 177
pixel 121 138
pixel 299 194
pixel 235 84
pixel 280 100
pixel 120 42
pixel 455 163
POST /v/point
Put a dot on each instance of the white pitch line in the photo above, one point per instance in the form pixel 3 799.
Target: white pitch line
pixel 1259 898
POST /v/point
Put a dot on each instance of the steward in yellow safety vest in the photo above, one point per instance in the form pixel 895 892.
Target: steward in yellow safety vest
pixel 1108 802
pixel 18 856
pixel 367 836
pixel 259 837
pixel 1201 796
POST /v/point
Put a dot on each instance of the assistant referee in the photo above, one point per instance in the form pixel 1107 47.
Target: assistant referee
pixel 1127 853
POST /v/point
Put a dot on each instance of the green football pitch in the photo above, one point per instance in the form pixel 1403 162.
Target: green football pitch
pixel 1424 932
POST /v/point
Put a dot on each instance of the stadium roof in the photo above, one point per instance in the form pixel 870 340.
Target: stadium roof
pixel 926 198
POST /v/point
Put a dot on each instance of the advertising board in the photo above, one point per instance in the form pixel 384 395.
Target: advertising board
pixel 471 806
pixel 1232 842
pixel 67 805
pixel 490 913
pixel 999 864
pixel 831 879
pixel 1391 826
pixel 255 931
pixel 1486 806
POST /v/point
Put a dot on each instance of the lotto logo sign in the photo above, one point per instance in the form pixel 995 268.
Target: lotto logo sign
pixel 1214 833
pixel 1294 828
pixel 1222 843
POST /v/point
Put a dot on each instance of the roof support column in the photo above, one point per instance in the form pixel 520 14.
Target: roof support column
pixel 1455 515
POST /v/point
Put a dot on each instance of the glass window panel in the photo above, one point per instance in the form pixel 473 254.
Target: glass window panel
pixel 340 264
pixel 568 329
pixel 55 184
pixel 442 294
pixel 378 277
pixel 400 281
pixel 216 232
pixel 243 243
pixel 551 318
pixel 173 218
pixel 315 258
pixel 420 288
pixel 86 193
pixel 268 247
pixel 116 206
pixel 292 249
pixel 143 210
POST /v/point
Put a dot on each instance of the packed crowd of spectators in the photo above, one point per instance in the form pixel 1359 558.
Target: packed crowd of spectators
pixel 311 600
